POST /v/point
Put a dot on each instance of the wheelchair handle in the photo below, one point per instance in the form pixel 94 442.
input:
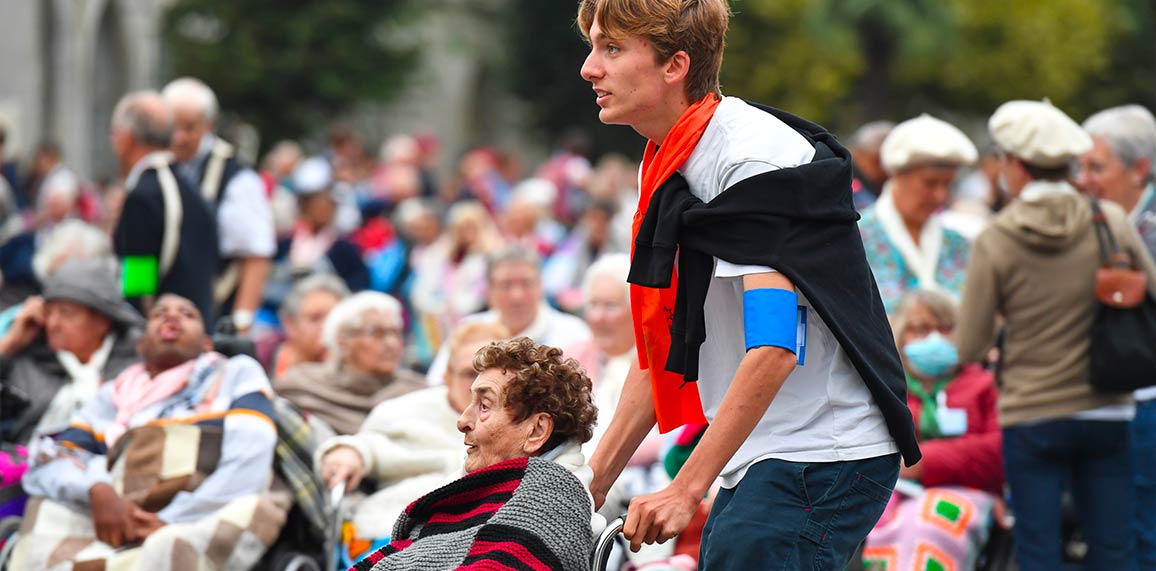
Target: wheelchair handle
pixel 605 543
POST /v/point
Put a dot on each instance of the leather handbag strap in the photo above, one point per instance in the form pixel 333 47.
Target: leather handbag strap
pixel 1110 255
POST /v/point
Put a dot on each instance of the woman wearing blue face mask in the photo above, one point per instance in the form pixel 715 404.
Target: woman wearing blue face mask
pixel 946 510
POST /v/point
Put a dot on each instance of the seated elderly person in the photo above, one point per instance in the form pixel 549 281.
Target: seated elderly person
pixel 363 336
pixel 62 347
pixel 525 485
pixel 302 316
pixel 409 444
pixel 961 472
pixel 169 468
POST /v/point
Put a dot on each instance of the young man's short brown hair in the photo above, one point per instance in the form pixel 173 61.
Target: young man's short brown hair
pixel 697 27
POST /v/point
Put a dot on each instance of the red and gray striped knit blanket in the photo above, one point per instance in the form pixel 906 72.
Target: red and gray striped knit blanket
pixel 523 514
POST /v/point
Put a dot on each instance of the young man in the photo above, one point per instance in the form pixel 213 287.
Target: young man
pixel 775 312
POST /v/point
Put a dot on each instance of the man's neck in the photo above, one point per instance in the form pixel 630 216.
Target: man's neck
pixel 659 126
pixel 1130 198
pixel 134 156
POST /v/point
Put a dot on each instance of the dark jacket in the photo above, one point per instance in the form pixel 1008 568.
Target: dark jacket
pixel 35 375
pixel 140 231
pixel 799 221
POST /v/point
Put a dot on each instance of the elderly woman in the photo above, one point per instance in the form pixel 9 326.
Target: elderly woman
pixel 408 445
pixel 1034 270
pixel 363 336
pixel 907 246
pixel 525 485
pixel 302 315
pixel 62 347
pixel 1121 167
pixel 954 407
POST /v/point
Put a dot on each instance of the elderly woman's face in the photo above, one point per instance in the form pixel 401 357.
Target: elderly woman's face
pixel 375 347
pixel 1105 176
pixel 921 191
pixel 921 322
pixel 608 315
pixel 491 435
pixel 303 331
pixel 73 327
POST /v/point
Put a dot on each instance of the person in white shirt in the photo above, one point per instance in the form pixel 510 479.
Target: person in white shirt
pixel 518 303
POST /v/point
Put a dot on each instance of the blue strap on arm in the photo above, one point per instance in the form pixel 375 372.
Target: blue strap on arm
pixel 770 318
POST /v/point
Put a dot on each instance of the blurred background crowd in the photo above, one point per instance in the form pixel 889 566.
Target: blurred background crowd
pixel 373 190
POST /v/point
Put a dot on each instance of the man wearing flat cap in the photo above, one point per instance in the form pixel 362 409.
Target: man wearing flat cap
pixel 907 246
pixel 1034 268
pixel 83 334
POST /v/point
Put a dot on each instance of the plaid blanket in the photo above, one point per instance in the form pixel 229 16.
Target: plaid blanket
pixel 151 464
pixel 296 442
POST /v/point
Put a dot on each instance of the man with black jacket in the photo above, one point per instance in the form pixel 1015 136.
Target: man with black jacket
pixel 236 194
pixel 166 237
pixel 773 331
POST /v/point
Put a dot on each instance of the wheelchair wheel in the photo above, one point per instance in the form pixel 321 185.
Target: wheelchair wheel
pixel 291 561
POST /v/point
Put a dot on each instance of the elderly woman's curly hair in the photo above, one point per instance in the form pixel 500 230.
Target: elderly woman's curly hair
pixel 543 381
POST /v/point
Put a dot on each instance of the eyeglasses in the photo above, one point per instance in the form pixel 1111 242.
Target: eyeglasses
pixel 377 332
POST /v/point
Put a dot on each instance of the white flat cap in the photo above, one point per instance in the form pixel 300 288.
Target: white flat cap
pixel 1038 133
pixel 926 140
pixel 313 175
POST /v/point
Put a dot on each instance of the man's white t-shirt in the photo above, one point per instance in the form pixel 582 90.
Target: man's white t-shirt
pixel 824 411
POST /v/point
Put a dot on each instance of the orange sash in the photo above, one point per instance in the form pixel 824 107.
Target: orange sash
pixel 675 403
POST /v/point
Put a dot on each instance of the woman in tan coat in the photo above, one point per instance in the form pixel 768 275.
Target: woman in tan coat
pixel 1033 269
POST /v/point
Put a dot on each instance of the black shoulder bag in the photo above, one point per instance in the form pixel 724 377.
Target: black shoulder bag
pixel 1124 330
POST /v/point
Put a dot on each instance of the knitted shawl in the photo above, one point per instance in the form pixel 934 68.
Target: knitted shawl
pixel 526 513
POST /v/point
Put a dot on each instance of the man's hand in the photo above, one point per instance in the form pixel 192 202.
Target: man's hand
pixel 25 327
pixel 110 515
pixel 342 464
pixel 142 524
pixel 659 517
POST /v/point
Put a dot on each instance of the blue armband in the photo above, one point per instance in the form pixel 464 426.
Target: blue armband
pixel 770 318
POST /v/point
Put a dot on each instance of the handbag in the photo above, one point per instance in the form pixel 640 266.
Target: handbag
pixel 1123 351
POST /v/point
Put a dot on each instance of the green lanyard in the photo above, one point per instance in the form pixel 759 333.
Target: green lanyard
pixel 928 419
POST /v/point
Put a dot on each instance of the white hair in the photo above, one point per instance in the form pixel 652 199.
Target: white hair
pixel 612 266
pixel 328 283
pixel 871 135
pixel 1129 131
pixel 411 209
pixel 350 314
pixel 71 238
pixel 192 91
pixel 146 116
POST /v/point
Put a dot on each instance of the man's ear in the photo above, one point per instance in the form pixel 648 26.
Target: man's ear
pixel 1142 170
pixel 540 428
pixel 677 67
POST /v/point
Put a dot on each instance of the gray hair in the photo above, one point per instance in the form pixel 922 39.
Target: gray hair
pixel 1129 131
pixel 871 135
pixel 940 304
pixel 145 115
pixel 328 283
pixel 512 254
pixel 71 238
pixel 612 266
pixel 192 91
pixel 350 314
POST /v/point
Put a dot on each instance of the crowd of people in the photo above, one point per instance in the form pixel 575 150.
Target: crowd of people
pixel 395 310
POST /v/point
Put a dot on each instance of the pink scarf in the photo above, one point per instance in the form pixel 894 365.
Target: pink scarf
pixel 307 246
pixel 134 390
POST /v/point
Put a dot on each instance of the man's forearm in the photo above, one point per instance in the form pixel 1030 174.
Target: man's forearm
pixel 251 283
pixel 758 379
pixel 632 420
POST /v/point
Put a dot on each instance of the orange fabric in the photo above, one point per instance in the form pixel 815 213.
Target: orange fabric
pixel 675 403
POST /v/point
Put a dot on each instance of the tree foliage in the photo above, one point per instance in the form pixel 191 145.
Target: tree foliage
pixel 287 66
pixel 846 61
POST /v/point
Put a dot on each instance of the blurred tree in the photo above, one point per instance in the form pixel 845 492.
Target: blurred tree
pixel 287 66
pixel 847 61
pixel 546 52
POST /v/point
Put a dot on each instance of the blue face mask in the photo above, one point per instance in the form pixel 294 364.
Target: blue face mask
pixel 933 356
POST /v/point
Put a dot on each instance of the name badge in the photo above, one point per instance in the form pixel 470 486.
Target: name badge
pixel 952 421
pixel 801 338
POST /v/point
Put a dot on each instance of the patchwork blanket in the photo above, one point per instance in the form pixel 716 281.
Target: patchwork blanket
pixel 152 465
